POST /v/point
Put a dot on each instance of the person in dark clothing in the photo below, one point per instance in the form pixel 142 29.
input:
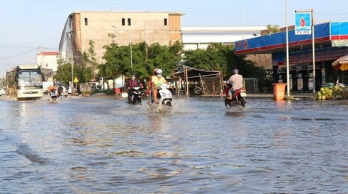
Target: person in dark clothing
pixel 60 90
pixel 133 82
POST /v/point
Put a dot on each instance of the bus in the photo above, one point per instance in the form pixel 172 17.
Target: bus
pixel 24 81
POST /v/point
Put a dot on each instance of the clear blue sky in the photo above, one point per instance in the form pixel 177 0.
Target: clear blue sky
pixel 27 25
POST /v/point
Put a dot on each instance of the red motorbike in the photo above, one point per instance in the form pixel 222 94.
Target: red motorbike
pixel 238 98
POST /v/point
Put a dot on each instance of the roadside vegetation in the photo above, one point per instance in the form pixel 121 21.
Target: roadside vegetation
pixel 145 58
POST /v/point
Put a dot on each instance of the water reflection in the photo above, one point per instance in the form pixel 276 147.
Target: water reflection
pixel 235 114
pixel 101 145
pixel 156 122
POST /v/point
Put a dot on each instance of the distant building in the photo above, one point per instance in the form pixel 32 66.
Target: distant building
pixel 127 27
pixel 47 60
pixel 201 37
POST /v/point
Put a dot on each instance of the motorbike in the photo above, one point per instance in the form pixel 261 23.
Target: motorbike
pixel 53 96
pixel 238 98
pixel 165 98
pixel 165 95
pixel 135 96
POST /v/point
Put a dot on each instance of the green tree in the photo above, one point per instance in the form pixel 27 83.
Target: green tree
pixel 272 29
pixel 63 73
pixel 223 58
pixel 212 58
pixel 164 57
pixel 145 58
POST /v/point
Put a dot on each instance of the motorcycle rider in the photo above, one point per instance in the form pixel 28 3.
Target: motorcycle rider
pixel 236 82
pixel 155 82
pixel 133 82
pixel 51 89
pixel 60 90
pixel 149 87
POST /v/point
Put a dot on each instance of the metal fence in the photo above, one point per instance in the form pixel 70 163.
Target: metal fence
pixel 251 85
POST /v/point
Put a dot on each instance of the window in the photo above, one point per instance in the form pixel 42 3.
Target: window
pixel 123 21
pixel 165 21
pixel 129 22
pixel 86 21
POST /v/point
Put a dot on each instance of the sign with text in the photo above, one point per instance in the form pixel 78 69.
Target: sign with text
pixel 303 23
pixel 310 84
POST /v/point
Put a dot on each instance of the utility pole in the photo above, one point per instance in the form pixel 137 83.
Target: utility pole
pixel 42 51
pixel 287 49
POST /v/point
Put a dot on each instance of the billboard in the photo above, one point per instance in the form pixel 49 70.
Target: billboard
pixel 303 23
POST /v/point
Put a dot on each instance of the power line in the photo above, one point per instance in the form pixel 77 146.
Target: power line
pixel 1 45
pixel 9 57
pixel 191 10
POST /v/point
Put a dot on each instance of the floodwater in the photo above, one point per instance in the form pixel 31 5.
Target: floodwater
pixel 100 145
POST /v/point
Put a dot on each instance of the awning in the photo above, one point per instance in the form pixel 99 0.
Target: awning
pixel 341 63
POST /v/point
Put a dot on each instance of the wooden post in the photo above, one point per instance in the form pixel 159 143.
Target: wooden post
pixel 214 86
pixel 187 83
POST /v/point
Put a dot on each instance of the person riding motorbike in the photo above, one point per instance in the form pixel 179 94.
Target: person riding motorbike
pixel 60 90
pixel 149 86
pixel 155 82
pixel 236 82
pixel 50 89
pixel 133 82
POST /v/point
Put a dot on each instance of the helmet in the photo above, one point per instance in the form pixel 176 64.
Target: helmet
pixel 235 71
pixel 159 71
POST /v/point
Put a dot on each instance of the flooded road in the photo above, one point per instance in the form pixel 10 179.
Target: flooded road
pixel 100 145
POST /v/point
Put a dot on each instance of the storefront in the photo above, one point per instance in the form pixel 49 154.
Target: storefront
pixel 331 42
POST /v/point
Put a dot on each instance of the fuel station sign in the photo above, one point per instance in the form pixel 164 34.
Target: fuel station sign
pixel 303 23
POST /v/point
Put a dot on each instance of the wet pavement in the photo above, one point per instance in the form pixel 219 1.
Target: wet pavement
pixel 100 145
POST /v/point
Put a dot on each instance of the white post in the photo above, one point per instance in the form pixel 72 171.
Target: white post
pixel 287 49
pixel 313 51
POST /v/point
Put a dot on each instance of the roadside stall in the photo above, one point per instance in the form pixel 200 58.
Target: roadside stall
pixel 338 91
pixel 193 81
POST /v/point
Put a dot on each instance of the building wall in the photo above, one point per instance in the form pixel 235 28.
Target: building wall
pixel 127 27
pixel 201 37
pixel 47 60
pixel 175 28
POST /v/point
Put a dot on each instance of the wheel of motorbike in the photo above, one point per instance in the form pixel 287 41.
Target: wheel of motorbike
pixel 243 103
pixel 53 99
pixel 227 103
pixel 168 104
